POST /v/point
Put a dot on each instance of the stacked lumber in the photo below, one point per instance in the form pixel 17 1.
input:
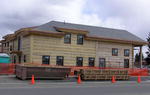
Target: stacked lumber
pixel 104 74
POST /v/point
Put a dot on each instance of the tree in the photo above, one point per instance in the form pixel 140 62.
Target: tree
pixel 137 57
pixel 147 59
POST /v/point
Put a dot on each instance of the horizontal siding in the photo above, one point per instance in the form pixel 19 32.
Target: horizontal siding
pixel 56 47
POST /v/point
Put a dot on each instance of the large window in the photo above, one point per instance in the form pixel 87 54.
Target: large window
pixel 60 61
pixel 80 39
pixel 79 61
pixel 126 52
pixel 126 63
pixel 46 60
pixel 114 52
pixel 91 61
pixel 67 38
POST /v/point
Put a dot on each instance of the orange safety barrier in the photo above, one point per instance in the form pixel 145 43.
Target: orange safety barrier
pixel 7 68
pixel 10 69
pixel 131 71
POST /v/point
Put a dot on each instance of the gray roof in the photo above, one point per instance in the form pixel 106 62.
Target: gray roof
pixel 101 32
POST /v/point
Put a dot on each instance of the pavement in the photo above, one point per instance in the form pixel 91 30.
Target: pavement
pixel 9 85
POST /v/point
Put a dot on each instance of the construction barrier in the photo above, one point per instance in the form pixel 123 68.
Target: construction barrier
pixel 7 68
pixel 10 69
pixel 131 71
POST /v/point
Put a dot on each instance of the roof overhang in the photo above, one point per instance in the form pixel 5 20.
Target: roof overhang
pixel 135 43
pixel 26 32
pixel 75 31
pixel 16 52
pixel 44 33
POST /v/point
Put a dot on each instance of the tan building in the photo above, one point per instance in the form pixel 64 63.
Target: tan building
pixel 0 48
pixel 66 44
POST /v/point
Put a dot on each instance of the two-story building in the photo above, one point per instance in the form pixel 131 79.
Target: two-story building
pixel 66 44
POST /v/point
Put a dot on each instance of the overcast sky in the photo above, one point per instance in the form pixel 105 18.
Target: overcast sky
pixel 131 15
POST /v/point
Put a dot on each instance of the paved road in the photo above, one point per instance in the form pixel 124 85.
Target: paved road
pixel 11 86
pixel 75 89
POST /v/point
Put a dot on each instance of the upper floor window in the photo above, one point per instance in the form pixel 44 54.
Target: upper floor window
pixel 67 38
pixel 114 52
pixel 80 39
pixel 7 44
pixel 126 52
pixel 11 48
pixel 19 43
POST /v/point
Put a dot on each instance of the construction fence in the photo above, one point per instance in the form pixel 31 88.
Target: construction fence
pixel 10 69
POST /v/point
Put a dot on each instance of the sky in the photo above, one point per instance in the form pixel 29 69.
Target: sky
pixel 131 15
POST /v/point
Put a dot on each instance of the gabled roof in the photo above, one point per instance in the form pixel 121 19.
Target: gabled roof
pixel 94 31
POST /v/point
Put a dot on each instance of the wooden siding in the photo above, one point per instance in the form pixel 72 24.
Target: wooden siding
pixel 53 47
pixel 104 50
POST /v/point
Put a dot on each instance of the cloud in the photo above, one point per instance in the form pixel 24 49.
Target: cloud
pixel 132 15
pixel 16 14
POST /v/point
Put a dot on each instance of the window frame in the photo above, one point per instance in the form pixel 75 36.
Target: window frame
pixel 89 62
pixel 62 64
pixel 125 53
pixel 113 52
pixel 125 63
pixel 79 65
pixel 65 38
pixel 24 58
pixel 43 63
pixel 78 39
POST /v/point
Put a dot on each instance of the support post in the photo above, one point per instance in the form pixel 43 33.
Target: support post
pixel 132 56
pixel 141 56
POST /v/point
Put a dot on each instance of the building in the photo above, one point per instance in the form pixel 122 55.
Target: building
pixel 66 44
pixel 0 48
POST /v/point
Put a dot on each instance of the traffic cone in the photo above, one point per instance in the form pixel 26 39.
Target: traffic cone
pixel 32 80
pixel 139 79
pixel 113 79
pixel 79 79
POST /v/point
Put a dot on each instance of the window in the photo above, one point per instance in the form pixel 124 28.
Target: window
pixel 114 52
pixel 14 59
pixel 46 60
pixel 80 39
pixel 67 39
pixel 102 63
pixel 7 44
pixel 19 43
pixel 24 58
pixel 19 58
pixel 79 61
pixel 91 61
pixel 126 52
pixel 11 48
pixel 60 61
pixel 126 63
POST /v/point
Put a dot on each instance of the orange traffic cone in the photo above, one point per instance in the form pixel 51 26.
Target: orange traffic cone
pixel 32 81
pixel 79 79
pixel 113 79
pixel 139 79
